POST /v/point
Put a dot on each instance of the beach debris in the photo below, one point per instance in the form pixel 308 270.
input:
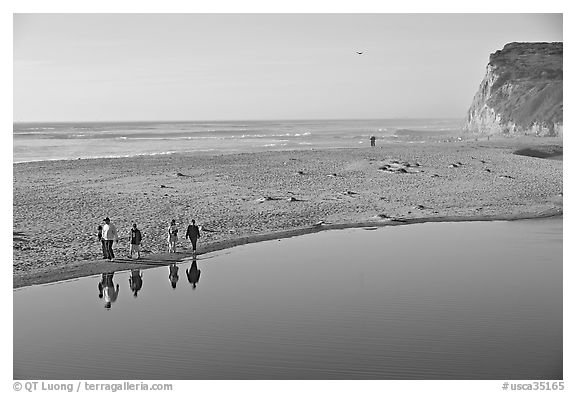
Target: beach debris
pixel 435 175
pixel 301 173
pixel 320 223
pixel 387 168
pixel 420 207
pixel 178 174
pixel 487 169
pixel 369 228
pixel 162 186
pixel 19 236
pixel 349 192
pixel 454 165
pixel 334 175
pixel 266 198
pixel 292 199
pixel 382 216
pixel 505 177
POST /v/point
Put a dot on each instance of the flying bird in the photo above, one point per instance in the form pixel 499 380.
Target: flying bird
pixel 359 53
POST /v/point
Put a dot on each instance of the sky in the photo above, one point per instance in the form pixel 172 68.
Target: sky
pixel 123 67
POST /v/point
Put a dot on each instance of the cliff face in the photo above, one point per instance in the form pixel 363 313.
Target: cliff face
pixel 521 92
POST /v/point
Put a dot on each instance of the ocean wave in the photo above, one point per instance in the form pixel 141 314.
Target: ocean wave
pixel 101 156
pixel 39 128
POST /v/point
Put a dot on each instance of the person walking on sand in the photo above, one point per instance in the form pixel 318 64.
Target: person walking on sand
pixel 172 236
pixel 135 239
pixel 110 235
pixel 101 240
pixel 173 277
pixel 372 141
pixel 193 233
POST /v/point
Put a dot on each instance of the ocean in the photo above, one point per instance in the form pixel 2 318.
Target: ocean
pixel 70 141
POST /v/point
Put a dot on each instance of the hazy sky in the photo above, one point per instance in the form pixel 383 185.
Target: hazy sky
pixel 100 67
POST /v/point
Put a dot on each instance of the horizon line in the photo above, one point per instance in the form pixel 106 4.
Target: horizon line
pixel 232 120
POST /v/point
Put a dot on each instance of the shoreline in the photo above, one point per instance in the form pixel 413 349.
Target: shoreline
pixel 91 268
pixel 241 198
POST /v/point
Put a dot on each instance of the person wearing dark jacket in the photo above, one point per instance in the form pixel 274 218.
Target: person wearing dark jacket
pixel 193 233
pixel 101 240
pixel 135 239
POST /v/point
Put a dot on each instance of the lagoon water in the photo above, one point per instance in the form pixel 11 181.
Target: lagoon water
pixel 480 300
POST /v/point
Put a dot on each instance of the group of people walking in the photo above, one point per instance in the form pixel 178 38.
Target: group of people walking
pixel 108 234
pixel 192 233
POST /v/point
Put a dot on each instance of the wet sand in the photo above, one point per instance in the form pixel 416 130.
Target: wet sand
pixel 243 198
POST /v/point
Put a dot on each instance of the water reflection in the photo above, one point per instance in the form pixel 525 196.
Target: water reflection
pixel 135 281
pixel 107 290
pixel 173 277
pixel 449 308
pixel 193 273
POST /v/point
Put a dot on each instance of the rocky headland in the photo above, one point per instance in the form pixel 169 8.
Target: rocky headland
pixel 521 93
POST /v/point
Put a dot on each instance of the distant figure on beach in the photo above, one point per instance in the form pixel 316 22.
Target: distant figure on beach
pixel 193 274
pixel 372 141
pixel 135 281
pixel 173 277
pixel 172 236
pixel 193 233
pixel 110 292
pixel 135 239
pixel 101 240
pixel 110 235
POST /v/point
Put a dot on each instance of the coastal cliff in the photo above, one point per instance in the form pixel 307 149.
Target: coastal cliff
pixel 521 93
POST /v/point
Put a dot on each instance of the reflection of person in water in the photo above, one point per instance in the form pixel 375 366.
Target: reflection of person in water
pixel 109 291
pixel 193 274
pixel 173 275
pixel 101 286
pixel 135 281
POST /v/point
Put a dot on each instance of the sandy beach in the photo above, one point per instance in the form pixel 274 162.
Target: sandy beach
pixel 243 198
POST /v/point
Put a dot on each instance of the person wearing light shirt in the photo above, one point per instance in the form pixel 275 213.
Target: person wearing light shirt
pixel 110 235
